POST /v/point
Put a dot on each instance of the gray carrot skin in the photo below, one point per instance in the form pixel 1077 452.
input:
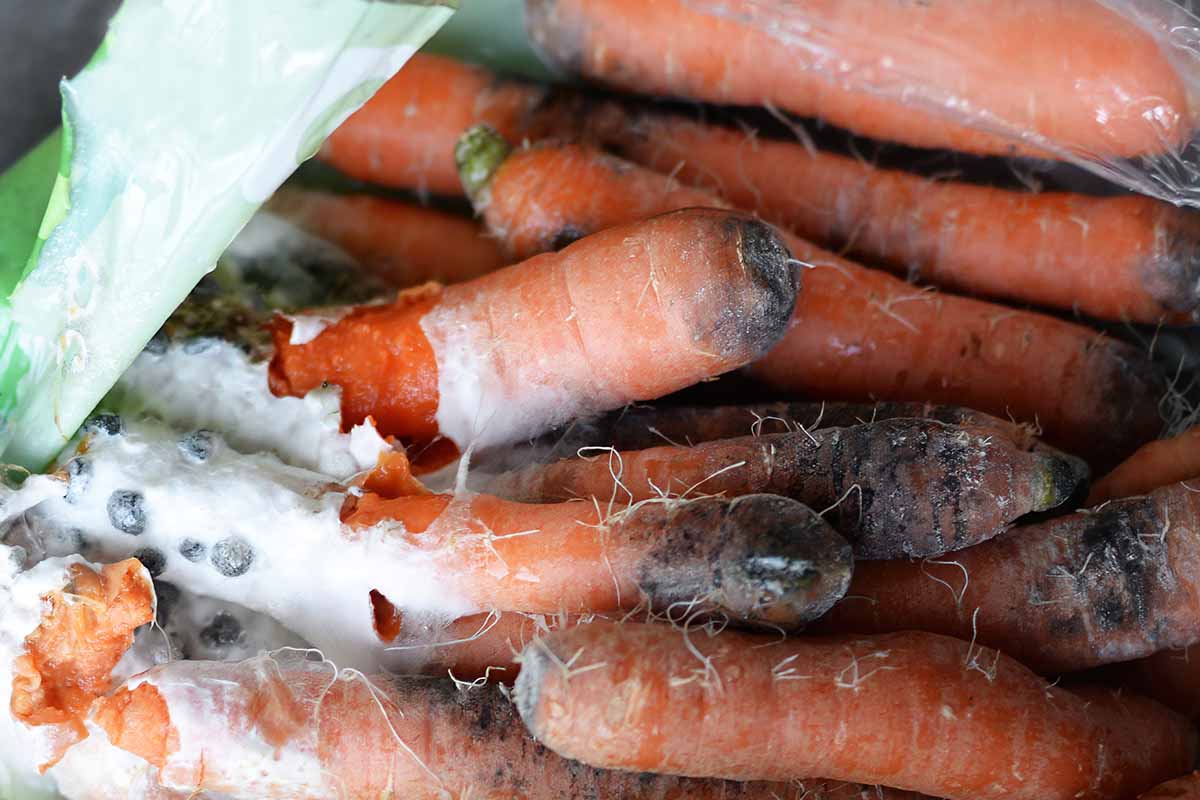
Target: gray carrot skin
pixel 894 488
pixel 644 426
pixel 1101 586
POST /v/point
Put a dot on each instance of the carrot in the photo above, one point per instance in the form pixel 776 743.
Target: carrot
pixel 1185 788
pixel 1172 677
pixel 1153 465
pixel 759 559
pixel 862 334
pixel 1122 258
pixel 897 488
pixel 640 427
pixel 934 76
pixel 541 206
pixel 859 334
pixel 401 243
pixel 631 313
pixel 404 136
pixel 1111 584
pixel 285 728
pixel 912 710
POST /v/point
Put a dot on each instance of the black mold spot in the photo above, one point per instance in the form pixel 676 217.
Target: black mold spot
pixel 153 560
pixel 222 632
pixel 193 550
pixel 106 423
pixel 232 557
pixel 198 445
pixel 79 477
pixel 167 596
pixel 127 511
pixel 567 234
pixel 157 344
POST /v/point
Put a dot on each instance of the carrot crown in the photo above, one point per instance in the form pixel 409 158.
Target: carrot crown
pixel 478 154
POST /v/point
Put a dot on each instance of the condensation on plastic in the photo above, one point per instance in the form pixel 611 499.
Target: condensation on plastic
pixel 1119 93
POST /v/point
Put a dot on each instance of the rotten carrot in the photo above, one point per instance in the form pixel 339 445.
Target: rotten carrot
pixel 404 136
pixel 859 334
pixel 401 243
pixel 639 427
pixel 1120 258
pixel 280 727
pixel 912 710
pixel 759 559
pixel 1153 465
pixel 894 488
pixel 873 73
pixel 1105 585
pixel 631 313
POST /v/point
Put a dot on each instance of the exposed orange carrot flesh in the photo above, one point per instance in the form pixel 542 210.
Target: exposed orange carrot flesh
pixel 69 658
pixel 1111 257
pixel 392 476
pixel 380 358
pixel 139 721
pixel 404 136
pixel 1083 62
pixel 1153 465
pixel 402 243
pixel 913 710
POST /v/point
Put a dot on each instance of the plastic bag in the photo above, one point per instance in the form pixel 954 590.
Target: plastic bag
pixel 1110 85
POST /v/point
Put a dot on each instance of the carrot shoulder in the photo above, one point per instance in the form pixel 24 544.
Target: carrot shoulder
pixel 912 710
pixel 404 244
pixel 895 488
pixel 942 67
pixel 1111 584
pixel 1153 465
pixel 631 313
pixel 1121 258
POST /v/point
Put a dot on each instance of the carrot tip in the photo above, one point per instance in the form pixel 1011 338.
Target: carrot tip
pixel 759 317
pixel 478 153
pixel 1063 475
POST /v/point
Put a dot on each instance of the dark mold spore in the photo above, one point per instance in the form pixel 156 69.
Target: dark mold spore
pixel 193 550
pixel 232 557
pixel 167 596
pixel 106 423
pixel 153 560
pixel 79 476
pixel 127 511
pixel 222 632
pixel 199 445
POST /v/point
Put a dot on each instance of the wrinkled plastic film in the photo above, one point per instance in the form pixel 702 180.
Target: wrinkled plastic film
pixel 1118 93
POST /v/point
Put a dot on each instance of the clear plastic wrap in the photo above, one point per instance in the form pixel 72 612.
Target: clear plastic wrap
pixel 1112 86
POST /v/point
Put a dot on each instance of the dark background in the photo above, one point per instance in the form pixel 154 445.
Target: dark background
pixel 41 41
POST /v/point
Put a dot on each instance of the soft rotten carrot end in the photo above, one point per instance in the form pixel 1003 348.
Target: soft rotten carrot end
pixel 478 154
pixel 1063 476
pixel 1172 274
pixel 761 559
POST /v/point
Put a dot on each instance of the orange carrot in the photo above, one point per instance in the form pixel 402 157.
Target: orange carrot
pixel 286 728
pixel 1185 788
pixel 549 195
pixel 1112 257
pixel 1153 465
pixel 68 660
pixel 641 427
pixel 896 488
pixel 404 136
pixel 1111 584
pixel 401 243
pixel 759 559
pixel 860 334
pixel 912 710
pixel 631 313
pixel 909 72
pixel 1172 677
